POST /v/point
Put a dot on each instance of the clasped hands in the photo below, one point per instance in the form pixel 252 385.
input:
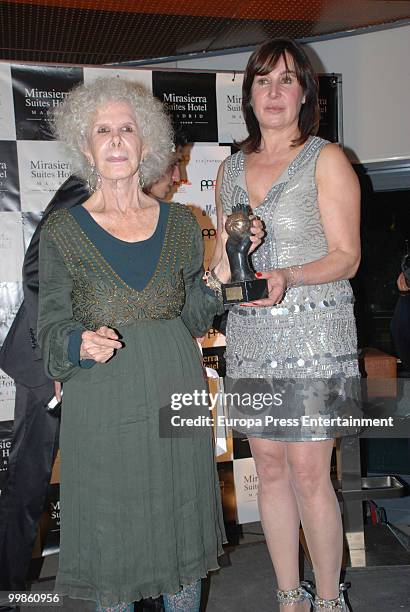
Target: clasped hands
pixel 99 345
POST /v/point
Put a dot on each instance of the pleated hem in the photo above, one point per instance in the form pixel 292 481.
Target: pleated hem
pixel 68 587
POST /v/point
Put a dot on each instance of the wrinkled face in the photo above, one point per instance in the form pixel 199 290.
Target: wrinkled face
pixel 114 145
pixel 277 96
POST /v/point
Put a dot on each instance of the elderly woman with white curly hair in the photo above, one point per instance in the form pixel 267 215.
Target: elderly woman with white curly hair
pixel 121 297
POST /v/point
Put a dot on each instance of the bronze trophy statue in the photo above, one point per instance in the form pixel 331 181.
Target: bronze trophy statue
pixel 244 286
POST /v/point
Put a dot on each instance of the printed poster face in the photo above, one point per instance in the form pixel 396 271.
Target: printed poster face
pixel 11 296
pixel 11 246
pixel 7 124
pixel 246 490
pixel 30 222
pixel 139 76
pixel 191 101
pixel 36 89
pixel 231 125
pixel 43 169
pixel 7 393
pixel 9 177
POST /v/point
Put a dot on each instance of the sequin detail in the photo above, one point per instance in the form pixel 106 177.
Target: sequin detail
pixel 312 332
pixel 187 600
pixel 100 296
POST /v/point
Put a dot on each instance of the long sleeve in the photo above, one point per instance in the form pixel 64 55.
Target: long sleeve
pixel 71 193
pixel 30 287
pixel 55 315
pixel 201 304
pixel 400 328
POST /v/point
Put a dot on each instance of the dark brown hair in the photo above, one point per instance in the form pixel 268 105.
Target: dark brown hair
pixel 261 62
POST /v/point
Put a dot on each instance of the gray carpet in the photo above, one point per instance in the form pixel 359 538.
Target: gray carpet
pixel 246 584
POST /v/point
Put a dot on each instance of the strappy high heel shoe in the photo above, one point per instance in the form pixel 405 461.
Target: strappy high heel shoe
pixel 294 596
pixel 337 605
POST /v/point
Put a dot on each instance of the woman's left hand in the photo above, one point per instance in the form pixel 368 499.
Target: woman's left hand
pixel 277 283
pixel 258 232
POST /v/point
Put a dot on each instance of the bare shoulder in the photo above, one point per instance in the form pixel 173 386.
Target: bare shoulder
pixel 334 168
pixel 332 157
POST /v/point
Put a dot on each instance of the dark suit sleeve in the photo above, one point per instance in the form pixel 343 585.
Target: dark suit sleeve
pixel 20 356
pixel 30 289
pixel 71 193
pixel 400 329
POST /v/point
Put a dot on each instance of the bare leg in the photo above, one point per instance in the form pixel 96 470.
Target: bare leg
pixel 279 514
pixel 309 466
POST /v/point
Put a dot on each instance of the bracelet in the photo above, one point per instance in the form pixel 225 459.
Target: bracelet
pixel 295 276
pixel 213 283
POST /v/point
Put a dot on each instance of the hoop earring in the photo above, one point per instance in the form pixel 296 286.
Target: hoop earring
pixel 93 179
pixel 141 179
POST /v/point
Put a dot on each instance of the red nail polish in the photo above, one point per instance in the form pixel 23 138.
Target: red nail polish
pixel 258 274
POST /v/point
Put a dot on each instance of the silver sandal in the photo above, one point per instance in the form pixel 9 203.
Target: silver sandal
pixel 298 595
pixel 337 605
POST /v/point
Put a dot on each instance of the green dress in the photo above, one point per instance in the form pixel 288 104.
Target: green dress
pixel 140 511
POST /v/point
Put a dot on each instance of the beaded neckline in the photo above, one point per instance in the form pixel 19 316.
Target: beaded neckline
pixel 106 266
pixel 92 222
pixel 310 146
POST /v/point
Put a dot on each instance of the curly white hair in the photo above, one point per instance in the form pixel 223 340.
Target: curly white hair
pixel 71 123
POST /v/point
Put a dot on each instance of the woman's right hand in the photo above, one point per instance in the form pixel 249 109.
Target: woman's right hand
pixel 99 345
pixel 277 281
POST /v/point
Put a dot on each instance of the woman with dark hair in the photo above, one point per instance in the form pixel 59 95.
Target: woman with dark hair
pixel 306 193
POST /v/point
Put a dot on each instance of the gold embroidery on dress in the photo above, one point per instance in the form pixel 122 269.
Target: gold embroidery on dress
pixel 99 294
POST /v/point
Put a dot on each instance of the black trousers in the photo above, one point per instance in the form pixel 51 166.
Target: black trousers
pixel 33 450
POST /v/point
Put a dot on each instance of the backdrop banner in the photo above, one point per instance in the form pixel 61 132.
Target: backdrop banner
pixel 246 490
pixel 5 445
pixel 191 99
pixel 231 125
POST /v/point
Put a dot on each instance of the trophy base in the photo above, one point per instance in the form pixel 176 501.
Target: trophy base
pixel 244 291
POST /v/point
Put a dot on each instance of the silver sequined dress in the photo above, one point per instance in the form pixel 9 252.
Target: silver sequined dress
pixel 311 334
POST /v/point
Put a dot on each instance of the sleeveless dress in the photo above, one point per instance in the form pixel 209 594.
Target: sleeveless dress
pixel 140 507
pixel 308 339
